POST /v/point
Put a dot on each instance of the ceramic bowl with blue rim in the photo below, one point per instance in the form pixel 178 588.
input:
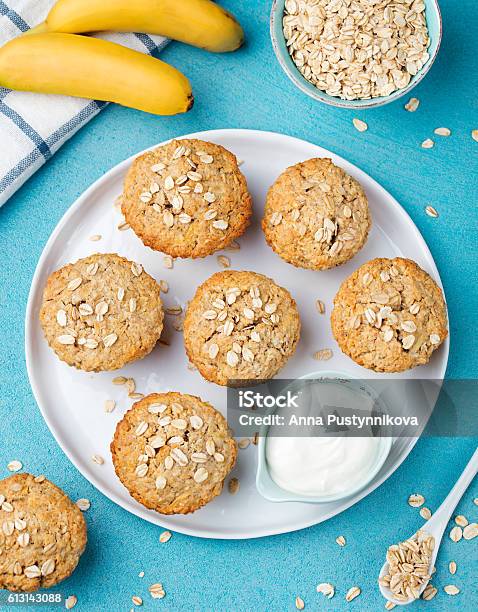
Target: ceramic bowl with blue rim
pixel 270 490
pixel 434 23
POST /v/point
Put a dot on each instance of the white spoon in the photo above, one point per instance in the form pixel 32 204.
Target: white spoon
pixel 437 524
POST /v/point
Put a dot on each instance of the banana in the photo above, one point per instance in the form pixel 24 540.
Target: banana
pixel 201 23
pixel 93 68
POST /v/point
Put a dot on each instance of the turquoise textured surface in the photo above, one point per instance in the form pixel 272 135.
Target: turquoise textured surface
pixel 248 89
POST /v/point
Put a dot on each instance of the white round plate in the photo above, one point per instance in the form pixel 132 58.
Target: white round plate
pixel 72 401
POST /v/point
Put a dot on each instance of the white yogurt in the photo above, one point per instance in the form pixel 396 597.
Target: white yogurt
pixel 322 465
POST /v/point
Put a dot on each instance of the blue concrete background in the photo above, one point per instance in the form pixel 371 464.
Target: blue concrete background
pixel 248 89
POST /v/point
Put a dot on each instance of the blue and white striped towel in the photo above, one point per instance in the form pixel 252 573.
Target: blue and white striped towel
pixel 34 126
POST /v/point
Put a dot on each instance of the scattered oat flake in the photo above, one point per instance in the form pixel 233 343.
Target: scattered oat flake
pixel 389 605
pixel 168 261
pixel 71 601
pixel 470 531
pixel 141 575
pixel 244 443
pixel 442 131
pixel 427 144
pixel 425 513
pixel 359 125
pixel 95 237
pixel 326 589
pixel 431 212
pixel 137 600
pixel 299 603
pixel 109 405
pixel 323 355
pixel 165 537
pixel 223 261
pixel 233 486
pixel 124 226
pixel 461 520
pixel 233 246
pixel 97 459
pixel 412 105
pixel 14 466
pixel 320 306
pixel 340 540
pixel 156 591
pixel 119 380
pixel 429 592
pixel 173 310
pixel 474 135
pixel 451 589
pixel 416 500
pixel 456 534
pixel 352 593
pixel 83 504
pixel 452 567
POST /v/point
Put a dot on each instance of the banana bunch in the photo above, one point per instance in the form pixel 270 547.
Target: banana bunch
pixel 52 58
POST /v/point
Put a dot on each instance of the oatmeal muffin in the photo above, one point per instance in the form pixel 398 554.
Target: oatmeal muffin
pixel 389 315
pixel 187 198
pixel 172 452
pixel 42 535
pixel 101 312
pixel 316 215
pixel 240 327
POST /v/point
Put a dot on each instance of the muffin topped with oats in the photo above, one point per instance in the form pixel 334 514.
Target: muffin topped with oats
pixel 172 452
pixel 42 535
pixel 389 315
pixel 186 198
pixel 101 312
pixel 240 327
pixel 316 215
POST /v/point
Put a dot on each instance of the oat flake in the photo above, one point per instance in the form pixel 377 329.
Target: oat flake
pixel 431 212
pixel 326 589
pixel 412 105
pixel 165 537
pixel 352 593
pixel 14 466
pixel 416 500
pixel 360 125
pixel 83 504
pixel 233 486
pixel 451 589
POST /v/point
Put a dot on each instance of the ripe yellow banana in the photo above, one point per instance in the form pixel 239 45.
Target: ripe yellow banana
pixel 93 68
pixel 201 23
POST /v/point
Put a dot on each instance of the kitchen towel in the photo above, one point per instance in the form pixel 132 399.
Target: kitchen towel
pixel 34 126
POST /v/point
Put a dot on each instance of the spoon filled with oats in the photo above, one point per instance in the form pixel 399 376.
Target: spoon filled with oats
pixel 409 564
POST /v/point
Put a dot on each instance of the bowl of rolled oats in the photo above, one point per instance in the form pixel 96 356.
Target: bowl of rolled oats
pixel 356 53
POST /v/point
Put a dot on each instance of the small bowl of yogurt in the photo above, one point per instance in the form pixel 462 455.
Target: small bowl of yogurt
pixel 320 468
